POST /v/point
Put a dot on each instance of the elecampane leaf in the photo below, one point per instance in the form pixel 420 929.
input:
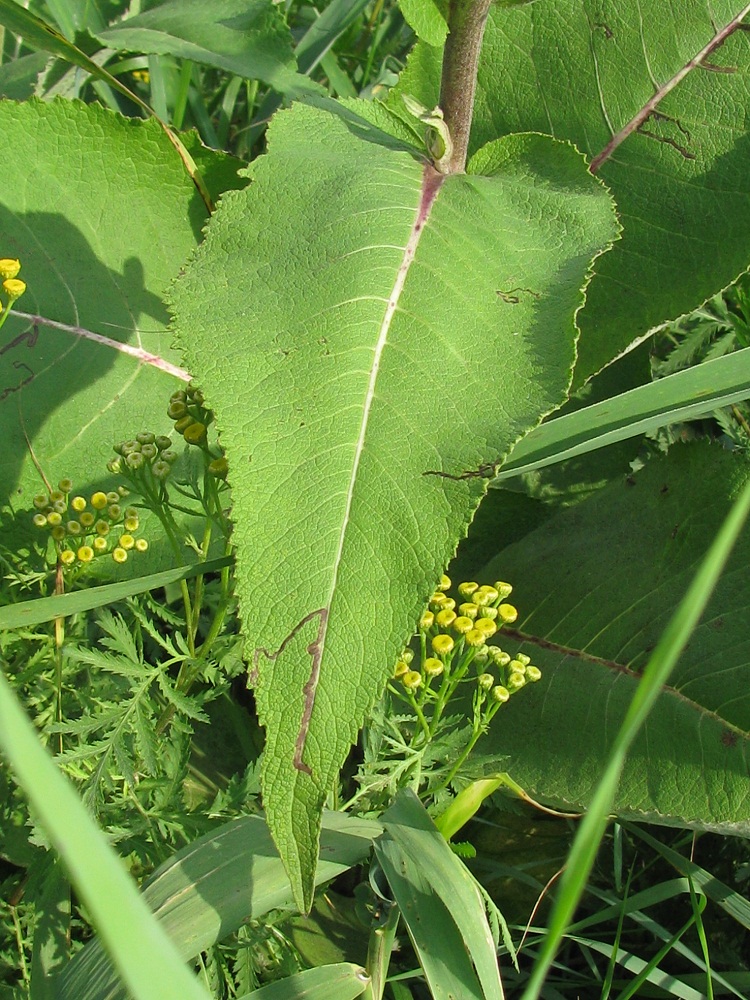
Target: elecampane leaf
pixel 671 82
pixel 595 586
pixel 100 212
pixel 373 338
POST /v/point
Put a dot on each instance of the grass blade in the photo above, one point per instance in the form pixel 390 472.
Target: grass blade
pixel 46 609
pixel 343 981
pixel 682 396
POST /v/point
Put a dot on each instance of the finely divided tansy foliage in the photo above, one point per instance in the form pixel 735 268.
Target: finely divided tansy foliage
pixel 303 307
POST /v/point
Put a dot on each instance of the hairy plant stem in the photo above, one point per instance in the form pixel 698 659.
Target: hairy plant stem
pixel 466 21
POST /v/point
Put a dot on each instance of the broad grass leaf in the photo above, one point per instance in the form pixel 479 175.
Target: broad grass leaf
pixel 582 70
pixel 248 38
pixel 440 904
pixel 211 887
pixel 373 338
pixel 595 586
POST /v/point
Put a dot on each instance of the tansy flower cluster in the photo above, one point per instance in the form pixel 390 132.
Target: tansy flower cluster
pixel 12 286
pixel 192 419
pixel 146 456
pixel 84 528
pixel 453 636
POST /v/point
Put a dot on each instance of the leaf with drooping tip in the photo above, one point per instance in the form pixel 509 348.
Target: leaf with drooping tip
pixel 373 338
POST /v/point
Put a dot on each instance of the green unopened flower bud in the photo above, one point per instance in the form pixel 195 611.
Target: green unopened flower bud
pixel 40 520
pixel 515 681
pixel 503 589
pixel 56 496
pixel 65 485
pixel 113 497
pixel 119 555
pixel 468 610
pixel 401 668
pixel 445 618
pixel 67 557
pixel 180 395
pixel 533 674
pixel 467 589
pixel 195 394
pixel 489 591
pixel 500 658
pixel 149 451
pixel 99 500
pixel 14 288
pixel 481 654
pixel 176 410
pixel 442 644
pixel 445 583
pixel 523 658
pixel 219 467
pixel 100 544
pixel 161 469
pixel 162 442
pixel 114 465
pixel 475 637
pixel 426 621
pixel 437 601
pixel 411 679
pixel 128 447
pixel 507 613
pixel 481 598
pixel 123 491
pixel 85 554
pixel 74 527
pixel 59 506
pixel 145 437
pixel 489 612
pixel 54 518
pixel 58 532
pixel 500 694
pixel 134 460
pixel 114 512
pixel 517 665
pixel 433 667
pixel 183 423
pixel 485 681
pixel 462 624
pixel 40 501
pixel 408 655
pixel 86 519
pixel 9 268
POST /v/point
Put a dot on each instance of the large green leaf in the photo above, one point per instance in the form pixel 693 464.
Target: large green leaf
pixel 101 212
pixel 371 335
pixel 584 70
pixel 595 586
